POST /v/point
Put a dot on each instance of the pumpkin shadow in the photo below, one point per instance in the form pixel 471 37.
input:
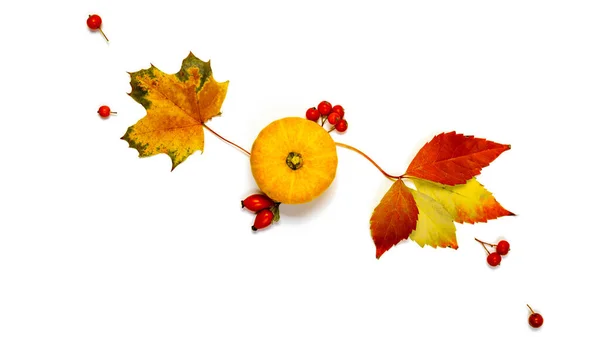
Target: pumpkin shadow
pixel 308 210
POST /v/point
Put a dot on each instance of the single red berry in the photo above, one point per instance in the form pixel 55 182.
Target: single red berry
pixel 324 108
pixel 313 114
pixel 104 111
pixel 535 320
pixel 502 247
pixel 333 118
pixel 342 125
pixel 257 202
pixel 338 110
pixel 493 259
pixel 94 22
pixel 263 219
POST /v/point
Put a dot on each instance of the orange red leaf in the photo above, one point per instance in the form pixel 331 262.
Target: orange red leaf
pixel 451 158
pixel 177 106
pixel 394 218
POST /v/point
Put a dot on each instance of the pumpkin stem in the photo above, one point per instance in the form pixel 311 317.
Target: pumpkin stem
pixel 225 140
pixel 294 160
pixel 352 148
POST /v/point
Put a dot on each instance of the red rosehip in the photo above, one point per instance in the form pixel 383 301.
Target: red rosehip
pixel 257 202
pixel 263 219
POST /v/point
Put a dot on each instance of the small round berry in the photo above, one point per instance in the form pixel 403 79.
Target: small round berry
pixel 536 320
pixel 493 259
pixel 338 110
pixel 94 21
pixel 502 247
pixel 342 125
pixel 324 108
pixel 313 114
pixel 333 118
pixel 104 111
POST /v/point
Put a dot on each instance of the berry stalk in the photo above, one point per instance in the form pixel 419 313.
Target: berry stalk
pixel 102 32
pixel 485 243
pixel 533 312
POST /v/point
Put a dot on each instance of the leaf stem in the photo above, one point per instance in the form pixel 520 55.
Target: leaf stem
pixel 352 148
pixel 225 140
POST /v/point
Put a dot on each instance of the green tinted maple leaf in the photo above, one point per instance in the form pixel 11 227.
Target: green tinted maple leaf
pixel 177 107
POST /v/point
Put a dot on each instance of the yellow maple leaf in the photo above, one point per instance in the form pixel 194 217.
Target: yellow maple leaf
pixel 469 202
pixel 435 226
pixel 177 107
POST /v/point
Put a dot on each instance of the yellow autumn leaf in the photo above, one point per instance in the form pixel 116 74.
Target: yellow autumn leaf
pixel 177 107
pixel 434 224
pixel 469 202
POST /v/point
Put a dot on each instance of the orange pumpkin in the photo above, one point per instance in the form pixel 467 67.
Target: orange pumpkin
pixel 293 160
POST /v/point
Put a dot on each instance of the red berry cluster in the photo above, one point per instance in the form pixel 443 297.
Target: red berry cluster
pixel 267 210
pixel 494 258
pixel 334 115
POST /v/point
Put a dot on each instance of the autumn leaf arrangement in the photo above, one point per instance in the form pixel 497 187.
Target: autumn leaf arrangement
pixel 294 160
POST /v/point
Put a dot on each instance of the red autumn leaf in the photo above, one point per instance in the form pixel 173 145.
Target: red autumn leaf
pixel 394 218
pixel 452 159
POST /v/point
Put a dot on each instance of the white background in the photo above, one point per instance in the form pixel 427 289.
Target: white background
pixel 95 241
